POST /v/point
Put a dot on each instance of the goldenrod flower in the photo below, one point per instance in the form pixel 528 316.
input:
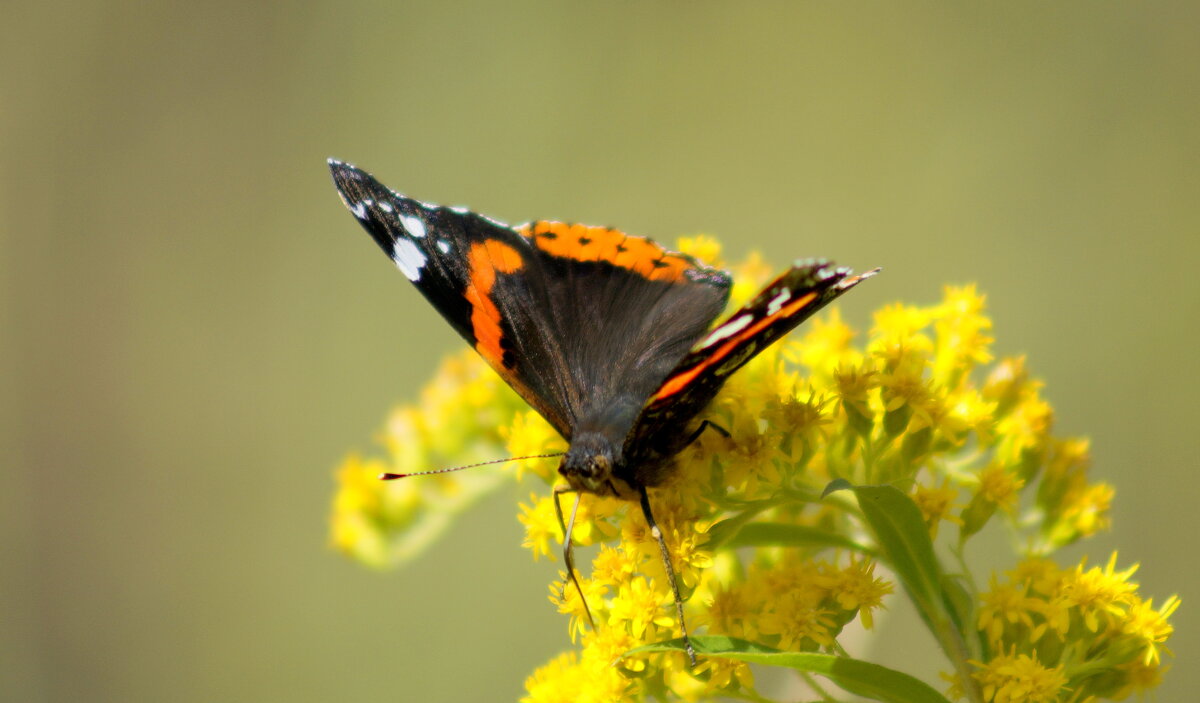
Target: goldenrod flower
pixel 962 340
pixel 609 644
pixel 1099 593
pixel 1150 626
pixel 1005 606
pixel 1021 678
pixel 558 681
pixel 733 611
pixel 936 504
pixel 612 566
pixel 639 607
pixel 1082 620
pixel 827 345
pixel 900 330
pixel 569 601
pixel 691 559
pixel 919 404
pixel 999 488
pixel 541 525
pixel 855 588
pixel 797 622
pixel 726 674
pixel 530 435
pixel 703 247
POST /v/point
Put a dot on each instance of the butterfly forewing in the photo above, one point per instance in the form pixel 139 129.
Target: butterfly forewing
pixel 584 322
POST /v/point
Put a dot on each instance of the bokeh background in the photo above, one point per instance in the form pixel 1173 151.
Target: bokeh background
pixel 194 331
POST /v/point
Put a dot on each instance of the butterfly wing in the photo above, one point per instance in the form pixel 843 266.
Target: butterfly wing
pixel 583 322
pixel 805 288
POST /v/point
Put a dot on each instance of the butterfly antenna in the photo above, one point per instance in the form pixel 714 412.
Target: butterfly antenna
pixel 392 477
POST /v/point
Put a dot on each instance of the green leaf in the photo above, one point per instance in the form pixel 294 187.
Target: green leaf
pixel 861 678
pixel 904 540
pixel 777 534
pixel 900 529
pixel 837 484
pixel 727 529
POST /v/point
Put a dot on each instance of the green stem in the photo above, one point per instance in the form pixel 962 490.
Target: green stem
pixel 955 648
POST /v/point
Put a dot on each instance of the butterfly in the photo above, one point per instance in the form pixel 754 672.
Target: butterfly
pixel 610 337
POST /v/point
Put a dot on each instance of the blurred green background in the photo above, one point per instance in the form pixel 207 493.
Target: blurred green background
pixel 194 331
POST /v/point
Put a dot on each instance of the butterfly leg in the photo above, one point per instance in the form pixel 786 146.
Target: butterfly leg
pixel 705 424
pixel 568 555
pixel 666 557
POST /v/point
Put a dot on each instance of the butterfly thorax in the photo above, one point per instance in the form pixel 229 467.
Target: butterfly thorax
pixel 595 461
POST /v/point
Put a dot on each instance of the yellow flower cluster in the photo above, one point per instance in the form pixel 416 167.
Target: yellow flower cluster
pixel 462 413
pixel 759 554
pixel 1070 634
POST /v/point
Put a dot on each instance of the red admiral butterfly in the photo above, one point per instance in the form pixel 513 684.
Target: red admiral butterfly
pixel 605 334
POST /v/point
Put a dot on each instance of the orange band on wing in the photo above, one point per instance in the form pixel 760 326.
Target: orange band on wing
pixel 680 381
pixel 583 243
pixel 485 259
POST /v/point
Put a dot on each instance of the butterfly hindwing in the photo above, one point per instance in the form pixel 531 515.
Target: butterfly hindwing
pixel 805 288
pixel 583 322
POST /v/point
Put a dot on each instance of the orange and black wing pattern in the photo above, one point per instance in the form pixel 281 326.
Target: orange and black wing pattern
pixel 789 300
pixel 583 322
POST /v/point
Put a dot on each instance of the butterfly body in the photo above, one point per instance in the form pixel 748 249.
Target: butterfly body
pixel 608 336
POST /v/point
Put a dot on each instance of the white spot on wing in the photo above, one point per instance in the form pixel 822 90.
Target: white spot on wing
pixel 386 207
pixel 726 330
pixel 409 259
pixel 444 246
pixel 777 302
pixel 414 225
pixel 359 210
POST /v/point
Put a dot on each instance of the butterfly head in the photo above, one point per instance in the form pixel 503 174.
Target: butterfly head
pixel 591 466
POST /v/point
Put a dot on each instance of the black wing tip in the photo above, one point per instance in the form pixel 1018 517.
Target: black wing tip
pixel 817 272
pixel 823 273
pixel 848 283
pixel 343 171
pixel 831 269
pixel 356 185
